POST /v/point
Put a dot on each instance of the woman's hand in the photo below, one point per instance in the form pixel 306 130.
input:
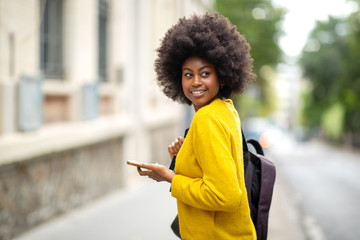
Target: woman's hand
pixel 156 172
pixel 175 146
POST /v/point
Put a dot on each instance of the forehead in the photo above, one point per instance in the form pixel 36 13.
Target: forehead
pixel 196 62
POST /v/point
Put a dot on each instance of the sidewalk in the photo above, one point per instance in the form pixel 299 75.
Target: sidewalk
pixel 284 220
pixel 145 213
pixel 142 212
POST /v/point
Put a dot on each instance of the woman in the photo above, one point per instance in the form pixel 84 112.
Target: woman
pixel 203 61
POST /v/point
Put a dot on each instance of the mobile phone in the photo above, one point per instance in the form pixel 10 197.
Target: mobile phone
pixel 133 163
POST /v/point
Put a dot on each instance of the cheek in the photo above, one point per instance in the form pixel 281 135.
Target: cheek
pixel 184 87
pixel 216 86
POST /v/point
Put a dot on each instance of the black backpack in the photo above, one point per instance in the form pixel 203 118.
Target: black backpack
pixel 259 182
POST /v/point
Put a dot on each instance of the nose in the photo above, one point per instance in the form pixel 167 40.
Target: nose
pixel 196 80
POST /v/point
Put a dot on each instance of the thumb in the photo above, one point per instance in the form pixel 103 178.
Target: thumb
pixel 145 165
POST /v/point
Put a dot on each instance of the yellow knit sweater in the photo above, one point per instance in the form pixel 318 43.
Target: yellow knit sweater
pixel 209 183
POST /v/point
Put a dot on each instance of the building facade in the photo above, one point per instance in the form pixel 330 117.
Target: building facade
pixel 78 98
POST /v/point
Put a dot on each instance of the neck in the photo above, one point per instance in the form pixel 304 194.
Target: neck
pixel 196 108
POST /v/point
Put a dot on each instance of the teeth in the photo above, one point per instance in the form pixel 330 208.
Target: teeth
pixel 197 92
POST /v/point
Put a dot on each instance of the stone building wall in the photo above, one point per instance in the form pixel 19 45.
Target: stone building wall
pixel 36 190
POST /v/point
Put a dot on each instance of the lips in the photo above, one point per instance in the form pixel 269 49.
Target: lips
pixel 197 93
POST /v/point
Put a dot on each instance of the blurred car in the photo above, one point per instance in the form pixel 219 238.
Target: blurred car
pixel 262 130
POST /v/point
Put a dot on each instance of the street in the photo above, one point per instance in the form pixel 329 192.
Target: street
pixel 142 212
pixel 315 198
pixel 323 184
pixel 145 212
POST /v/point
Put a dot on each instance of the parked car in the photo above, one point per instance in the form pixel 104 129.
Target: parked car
pixel 262 130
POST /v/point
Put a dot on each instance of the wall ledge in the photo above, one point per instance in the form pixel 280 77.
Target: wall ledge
pixel 59 137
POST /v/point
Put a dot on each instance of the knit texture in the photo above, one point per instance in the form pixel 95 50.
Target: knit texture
pixel 209 183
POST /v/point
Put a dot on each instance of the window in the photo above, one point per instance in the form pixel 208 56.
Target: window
pixel 102 38
pixel 51 42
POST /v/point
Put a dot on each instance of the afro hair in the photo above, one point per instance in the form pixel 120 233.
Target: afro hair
pixel 212 37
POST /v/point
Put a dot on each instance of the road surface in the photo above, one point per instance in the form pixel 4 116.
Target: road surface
pixel 323 183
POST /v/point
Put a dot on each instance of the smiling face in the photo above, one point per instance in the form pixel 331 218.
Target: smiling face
pixel 199 81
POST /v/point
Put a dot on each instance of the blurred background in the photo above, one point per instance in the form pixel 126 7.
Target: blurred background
pixel 78 98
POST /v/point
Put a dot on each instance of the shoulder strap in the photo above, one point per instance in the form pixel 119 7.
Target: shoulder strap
pixel 172 165
pixel 268 175
pixel 253 142
pixel 256 145
pixel 245 148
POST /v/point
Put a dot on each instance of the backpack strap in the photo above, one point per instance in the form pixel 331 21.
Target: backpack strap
pixel 256 145
pixel 248 178
pixel 245 148
pixel 173 160
pixel 268 173
pixel 248 167
pixel 172 164
pixel 260 176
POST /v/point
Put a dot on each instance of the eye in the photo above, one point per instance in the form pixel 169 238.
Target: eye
pixel 187 74
pixel 205 74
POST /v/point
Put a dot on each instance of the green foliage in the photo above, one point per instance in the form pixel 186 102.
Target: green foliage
pixel 259 22
pixel 331 63
pixel 332 121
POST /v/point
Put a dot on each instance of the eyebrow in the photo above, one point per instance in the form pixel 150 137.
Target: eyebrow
pixel 189 69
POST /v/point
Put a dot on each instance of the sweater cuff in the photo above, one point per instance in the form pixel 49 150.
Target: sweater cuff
pixel 175 185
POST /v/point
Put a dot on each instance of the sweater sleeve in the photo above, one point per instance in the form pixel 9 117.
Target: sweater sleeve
pixel 218 189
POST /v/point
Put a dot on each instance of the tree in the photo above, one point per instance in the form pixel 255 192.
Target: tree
pixel 330 60
pixel 259 22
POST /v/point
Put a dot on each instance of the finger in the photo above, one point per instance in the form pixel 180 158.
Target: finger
pixel 146 165
pixel 152 176
pixel 171 150
pixel 174 149
pixel 142 172
pixel 181 141
pixel 177 145
pixel 150 166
